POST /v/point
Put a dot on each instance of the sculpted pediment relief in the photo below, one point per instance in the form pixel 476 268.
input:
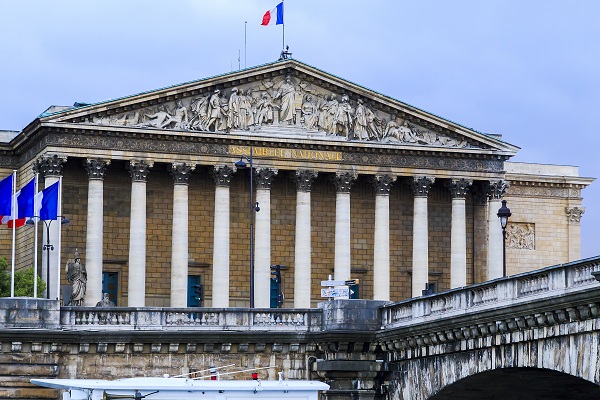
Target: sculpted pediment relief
pixel 287 104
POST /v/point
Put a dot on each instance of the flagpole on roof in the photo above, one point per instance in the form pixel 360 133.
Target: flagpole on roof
pixel 13 210
pixel 58 221
pixel 35 242
pixel 283 28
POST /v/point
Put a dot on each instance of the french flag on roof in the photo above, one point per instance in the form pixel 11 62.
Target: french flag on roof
pixel 268 18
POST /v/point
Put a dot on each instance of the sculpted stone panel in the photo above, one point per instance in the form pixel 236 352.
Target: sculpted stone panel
pixel 283 105
pixel 520 236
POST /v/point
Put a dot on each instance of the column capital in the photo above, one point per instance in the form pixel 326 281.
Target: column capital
pixel 383 183
pixel 304 179
pixel 49 165
pixel 343 181
pixel 222 174
pixel 96 167
pixel 421 185
pixel 263 177
pixel 138 169
pixel 495 189
pixel 574 214
pixel 459 187
pixel 181 172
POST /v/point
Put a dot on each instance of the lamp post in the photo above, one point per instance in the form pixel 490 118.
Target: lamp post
pixel 48 246
pixel 503 214
pixel 241 164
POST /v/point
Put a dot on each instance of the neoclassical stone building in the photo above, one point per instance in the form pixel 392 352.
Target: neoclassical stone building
pixel 349 183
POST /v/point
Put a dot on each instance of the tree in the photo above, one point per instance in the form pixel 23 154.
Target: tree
pixel 23 282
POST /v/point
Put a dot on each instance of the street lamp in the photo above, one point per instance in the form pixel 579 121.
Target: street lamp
pixel 503 214
pixel 241 164
pixel 48 246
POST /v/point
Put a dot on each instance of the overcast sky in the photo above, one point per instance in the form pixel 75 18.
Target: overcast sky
pixel 528 70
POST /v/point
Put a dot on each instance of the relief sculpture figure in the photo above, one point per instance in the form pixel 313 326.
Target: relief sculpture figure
pixel 373 132
pixel 343 118
pixel 214 111
pixel 309 113
pixel 246 112
pixel 77 276
pixel 233 117
pixel 264 110
pixel 198 109
pixel 360 121
pixel 287 93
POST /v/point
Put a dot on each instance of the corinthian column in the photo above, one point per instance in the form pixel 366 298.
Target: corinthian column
pixel 343 182
pixel 381 248
pixel 302 251
pixel 262 235
pixel 220 278
pixel 96 169
pixel 179 239
pixel 49 167
pixel 458 234
pixel 495 190
pixel 420 258
pixel 137 234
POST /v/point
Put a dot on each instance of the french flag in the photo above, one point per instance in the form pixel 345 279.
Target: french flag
pixel 6 192
pixel 46 203
pixel 268 17
pixel 24 200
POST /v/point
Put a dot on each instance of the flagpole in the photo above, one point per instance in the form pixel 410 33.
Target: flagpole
pixel 283 27
pixel 13 210
pixel 245 53
pixel 35 241
pixel 59 222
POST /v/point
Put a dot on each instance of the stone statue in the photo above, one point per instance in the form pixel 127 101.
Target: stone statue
pixel 405 134
pixel 77 276
pixel 287 93
pixel 159 119
pixel 105 302
pixel 373 131
pixel 246 109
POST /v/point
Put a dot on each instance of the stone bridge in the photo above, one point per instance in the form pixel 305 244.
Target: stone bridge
pixel 529 336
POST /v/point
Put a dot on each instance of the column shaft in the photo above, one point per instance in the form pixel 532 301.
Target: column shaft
pixel 302 251
pixel 179 247
pixel 262 253
pixel 342 236
pixel 495 262
pixel 420 271
pixel 381 257
pixel 458 244
pixel 94 241
pixel 137 246
pixel 220 281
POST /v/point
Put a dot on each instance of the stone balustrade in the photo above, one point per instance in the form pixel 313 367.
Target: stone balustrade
pixel 493 296
pixel 155 318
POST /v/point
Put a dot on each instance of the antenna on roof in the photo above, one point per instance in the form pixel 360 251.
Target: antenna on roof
pixel 245 26
pixel 239 66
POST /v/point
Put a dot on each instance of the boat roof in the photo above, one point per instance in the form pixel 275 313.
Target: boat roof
pixel 176 384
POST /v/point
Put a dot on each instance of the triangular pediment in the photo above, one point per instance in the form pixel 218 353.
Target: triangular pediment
pixel 282 99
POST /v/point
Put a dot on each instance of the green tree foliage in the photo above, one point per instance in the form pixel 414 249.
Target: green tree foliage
pixel 23 282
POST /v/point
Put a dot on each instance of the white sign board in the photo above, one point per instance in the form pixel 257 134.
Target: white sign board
pixel 335 292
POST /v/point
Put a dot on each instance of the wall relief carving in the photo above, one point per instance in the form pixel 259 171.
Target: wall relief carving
pixel 520 236
pixel 285 105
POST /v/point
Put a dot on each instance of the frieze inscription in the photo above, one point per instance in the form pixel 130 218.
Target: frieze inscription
pixel 294 154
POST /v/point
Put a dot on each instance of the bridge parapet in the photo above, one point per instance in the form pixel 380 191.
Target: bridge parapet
pixel 494 296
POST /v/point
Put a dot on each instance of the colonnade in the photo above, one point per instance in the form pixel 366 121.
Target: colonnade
pixel 50 169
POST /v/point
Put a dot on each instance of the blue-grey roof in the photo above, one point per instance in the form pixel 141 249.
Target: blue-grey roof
pixel 7 136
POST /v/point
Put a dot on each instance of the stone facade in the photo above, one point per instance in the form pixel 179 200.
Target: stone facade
pixel 292 117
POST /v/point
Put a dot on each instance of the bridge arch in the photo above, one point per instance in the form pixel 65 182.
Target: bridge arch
pixel 559 365
pixel 520 383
